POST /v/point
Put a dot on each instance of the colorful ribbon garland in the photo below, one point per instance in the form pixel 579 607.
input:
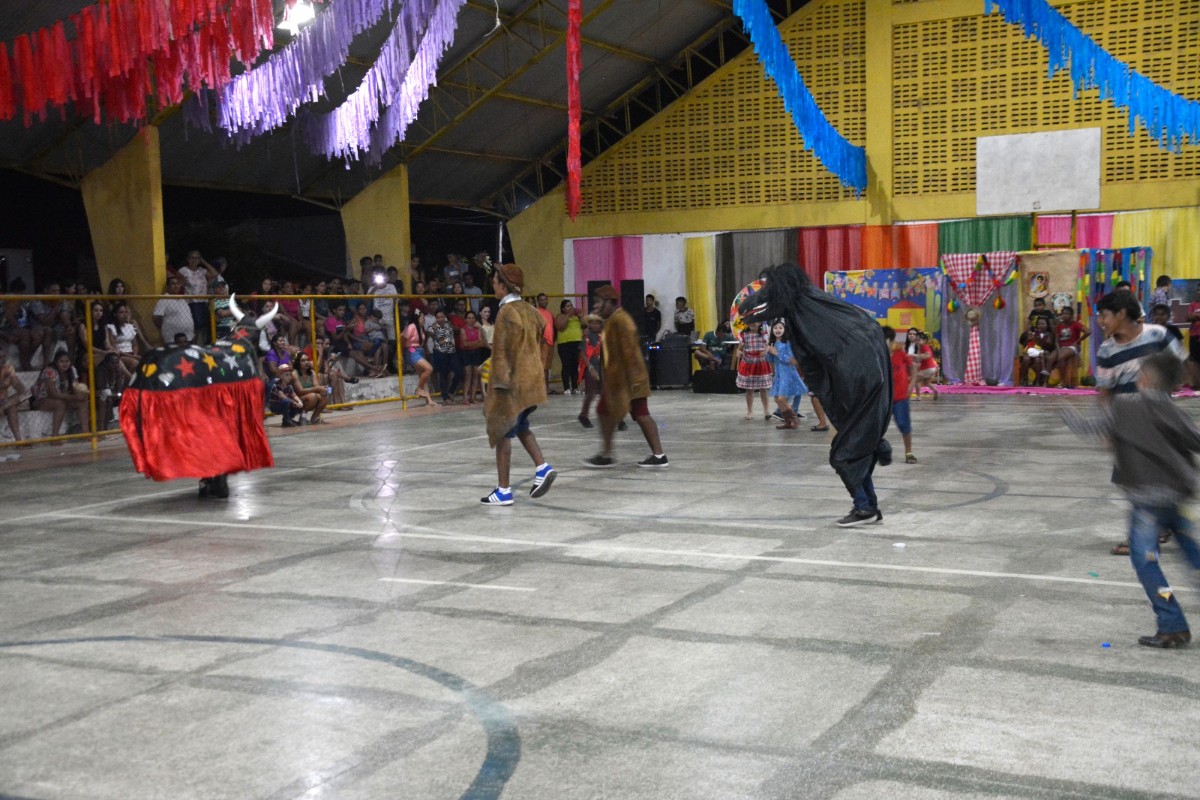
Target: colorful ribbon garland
pixel 265 97
pixel 1166 116
pixel 846 161
pixel 126 50
pixel 574 67
pixel 398 82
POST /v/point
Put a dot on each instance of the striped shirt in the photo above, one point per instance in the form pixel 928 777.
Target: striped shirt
pixel 1117 365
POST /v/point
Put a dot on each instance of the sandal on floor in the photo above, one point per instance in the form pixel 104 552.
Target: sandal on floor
pixel 819 428
pixel 748 417
pixel 1121 549
pixel 909 458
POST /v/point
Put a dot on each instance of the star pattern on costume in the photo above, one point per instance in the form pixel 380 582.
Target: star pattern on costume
pixel 230 361
pixel 210 362
pixel 240 333
pixel 185 367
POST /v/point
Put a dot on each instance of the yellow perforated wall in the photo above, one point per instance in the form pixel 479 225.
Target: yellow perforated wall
pixel 959 78
pixel 730 142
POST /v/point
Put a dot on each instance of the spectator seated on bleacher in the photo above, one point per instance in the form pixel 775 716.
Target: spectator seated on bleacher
pixel 12 394
pixel 282 398
pixel 58 390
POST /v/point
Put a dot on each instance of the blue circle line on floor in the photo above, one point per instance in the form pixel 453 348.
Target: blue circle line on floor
pixel 503 739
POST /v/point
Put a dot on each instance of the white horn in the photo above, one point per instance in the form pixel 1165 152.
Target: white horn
pixel 266 318
pixel 233 308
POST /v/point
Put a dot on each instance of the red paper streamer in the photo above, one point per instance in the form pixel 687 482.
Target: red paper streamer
pixel 574 66
pixel 126 51
pixel 7 105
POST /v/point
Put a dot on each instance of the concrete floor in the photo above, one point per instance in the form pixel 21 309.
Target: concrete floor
pixel 353 624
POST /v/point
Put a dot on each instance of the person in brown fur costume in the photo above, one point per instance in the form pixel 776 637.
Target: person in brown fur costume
pixel 516 385
pixel 624 383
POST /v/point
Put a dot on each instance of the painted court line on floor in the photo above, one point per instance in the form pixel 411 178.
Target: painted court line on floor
pixel 466 585
pixel 280 471
pixel 420 532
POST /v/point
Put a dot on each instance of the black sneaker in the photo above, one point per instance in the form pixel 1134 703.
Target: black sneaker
pixel 600 462
pixel 654 462
pixel 856 517
pixel 585 422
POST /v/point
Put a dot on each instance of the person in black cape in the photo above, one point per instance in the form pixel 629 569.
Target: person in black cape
pixel 844 359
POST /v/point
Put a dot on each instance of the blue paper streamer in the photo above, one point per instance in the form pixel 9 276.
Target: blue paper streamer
pixel 1169 118
pixel 843 159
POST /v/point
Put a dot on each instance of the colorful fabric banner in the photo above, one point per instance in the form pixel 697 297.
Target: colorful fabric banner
pixel 902 298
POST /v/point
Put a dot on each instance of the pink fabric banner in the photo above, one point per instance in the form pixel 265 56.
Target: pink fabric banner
pixel 614 259
pixel 1091 231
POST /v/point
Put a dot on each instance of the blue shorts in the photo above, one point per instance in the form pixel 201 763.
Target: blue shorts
pixel 522 425
pixel 413 356
pixel 900 413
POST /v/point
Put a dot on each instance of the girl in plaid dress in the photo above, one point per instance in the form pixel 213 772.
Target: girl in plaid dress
pixel 753 369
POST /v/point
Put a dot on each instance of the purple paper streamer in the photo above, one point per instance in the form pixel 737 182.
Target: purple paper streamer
pixel 399 80
pixel 265 97
pixel 421 75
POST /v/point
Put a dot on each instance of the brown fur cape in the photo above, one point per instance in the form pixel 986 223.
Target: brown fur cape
pixel 517 381
pixel 624 376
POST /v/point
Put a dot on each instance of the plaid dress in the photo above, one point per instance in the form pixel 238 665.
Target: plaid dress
pixel 754 371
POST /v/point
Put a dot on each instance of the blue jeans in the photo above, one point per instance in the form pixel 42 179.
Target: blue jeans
pixel 864 495
pixel 1145 525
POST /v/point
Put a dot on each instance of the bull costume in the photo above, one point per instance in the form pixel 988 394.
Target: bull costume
pixel 624 383
pixel 516 385
pixel 845 362
pixel 197 411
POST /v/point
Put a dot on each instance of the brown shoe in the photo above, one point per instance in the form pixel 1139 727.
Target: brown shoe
pixel 790 421
pixel 1166 640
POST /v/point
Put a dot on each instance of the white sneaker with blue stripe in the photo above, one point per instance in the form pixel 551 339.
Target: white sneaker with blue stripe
pixel 542 480
pixel 497 498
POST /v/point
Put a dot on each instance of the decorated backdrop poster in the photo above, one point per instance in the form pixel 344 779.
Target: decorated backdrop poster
pixel 901 298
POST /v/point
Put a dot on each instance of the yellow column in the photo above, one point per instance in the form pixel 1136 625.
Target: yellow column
pixel 123 200
pixel 376 221
pixel 879 113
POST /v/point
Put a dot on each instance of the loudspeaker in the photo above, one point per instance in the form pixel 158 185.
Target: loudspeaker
pixel 715 381
pixel 633 300
pixel 670 362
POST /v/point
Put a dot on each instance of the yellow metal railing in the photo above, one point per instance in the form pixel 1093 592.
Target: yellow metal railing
pixel 140 306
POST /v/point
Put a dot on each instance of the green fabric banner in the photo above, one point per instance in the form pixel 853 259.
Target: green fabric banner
pixel 986 235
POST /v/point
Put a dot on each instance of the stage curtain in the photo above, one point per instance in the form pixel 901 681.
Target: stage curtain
pixel 700 257
pixel 614 259
pixel 915 246
pixel 1091 231
pixel 1094 231
pixel 742 255
pixel 985 235
pixel 877 247
pixel 833 248
pixel 1170 232
pixel 900 246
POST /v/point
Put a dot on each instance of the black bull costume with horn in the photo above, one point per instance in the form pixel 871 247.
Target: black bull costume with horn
pixel 197 411
pixel 845 361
